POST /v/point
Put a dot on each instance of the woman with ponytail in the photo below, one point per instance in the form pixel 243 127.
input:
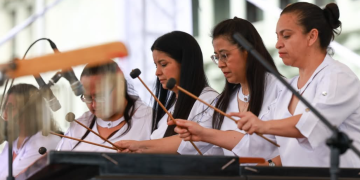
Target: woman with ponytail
pixel 304 32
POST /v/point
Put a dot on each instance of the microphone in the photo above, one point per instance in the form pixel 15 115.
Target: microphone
pixel 47 93
pixel 69 75
pixel 42 150
pixel 75 84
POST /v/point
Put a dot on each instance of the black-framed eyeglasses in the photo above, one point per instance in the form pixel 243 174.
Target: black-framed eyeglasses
pixel 222 56
pixel 88 99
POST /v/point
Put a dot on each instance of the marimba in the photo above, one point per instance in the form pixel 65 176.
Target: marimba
pixel 57 165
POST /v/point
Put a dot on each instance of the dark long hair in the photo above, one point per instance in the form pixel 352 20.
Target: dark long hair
pixel 310 16
pixel 30 115
pixel 186 51
pixel 113 68
pixel 255 72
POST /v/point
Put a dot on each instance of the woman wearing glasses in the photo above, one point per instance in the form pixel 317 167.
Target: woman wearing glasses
pixel 114 112
pixel 249 87
pixel 176 55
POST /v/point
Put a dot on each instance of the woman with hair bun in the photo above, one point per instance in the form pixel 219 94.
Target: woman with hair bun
pixel 304 32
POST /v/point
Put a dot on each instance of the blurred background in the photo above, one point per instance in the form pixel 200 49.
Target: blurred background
pixel 74 24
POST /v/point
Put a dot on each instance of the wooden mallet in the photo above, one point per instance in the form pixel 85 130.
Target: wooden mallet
pixel 70 117
pixel 135 74
pixel 172 83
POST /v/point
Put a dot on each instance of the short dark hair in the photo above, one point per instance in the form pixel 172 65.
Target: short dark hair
pixel 310 16
pixel 110 67
pixel 186 51
pixel 255 72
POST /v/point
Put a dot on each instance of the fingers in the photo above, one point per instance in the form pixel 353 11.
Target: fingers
pixel 128 151
pixel 171 123
pixel 122 144
pixel 246 127
pixel 250 123
pixel 127 146
pixel 241 122
pixel 251 130
pixel 184 123
pixel 180 130
pixel 189 138
pixel 184 135
pixel 124 151
pixel 237 114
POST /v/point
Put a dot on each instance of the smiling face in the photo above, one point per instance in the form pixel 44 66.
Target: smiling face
pixel 166 68
pixel 292 42
pixel 233 60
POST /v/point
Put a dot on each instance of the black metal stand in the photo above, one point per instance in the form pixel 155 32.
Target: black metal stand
pixel 338 143
pixel 10 160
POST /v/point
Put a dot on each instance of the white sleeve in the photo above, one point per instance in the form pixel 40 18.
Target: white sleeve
pixel 32 151
pixel 187 148
pixel 202 114
pixel 255 146
pixel 336 98
pixel 65 144
pixel 143 115
pixel 26 161
pixel 75 131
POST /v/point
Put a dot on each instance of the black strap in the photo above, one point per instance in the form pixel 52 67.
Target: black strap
pixel 87 131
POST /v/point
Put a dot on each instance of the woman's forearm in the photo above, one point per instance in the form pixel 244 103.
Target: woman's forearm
pixel 284 127
pixel 224 139
pixel 168 145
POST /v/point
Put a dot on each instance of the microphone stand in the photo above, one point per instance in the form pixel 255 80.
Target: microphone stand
pixel 10 149
pixel 339 142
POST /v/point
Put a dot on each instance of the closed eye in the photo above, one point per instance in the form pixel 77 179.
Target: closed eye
pixel 223 56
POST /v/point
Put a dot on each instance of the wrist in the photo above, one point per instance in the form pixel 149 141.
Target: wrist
pixel 205 134
pixel 267 129
pixel 143 146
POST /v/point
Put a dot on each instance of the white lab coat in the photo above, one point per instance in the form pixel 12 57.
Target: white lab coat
pixel 27 154
pixel 333 90
pixel 140 130
pixel 199 113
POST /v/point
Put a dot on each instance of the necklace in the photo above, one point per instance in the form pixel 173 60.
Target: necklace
pixel 109 124
pixel 244 98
